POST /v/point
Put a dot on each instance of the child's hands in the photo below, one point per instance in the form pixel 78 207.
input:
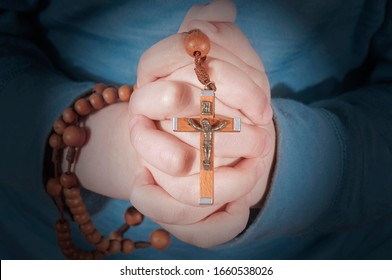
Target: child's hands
pixel 168 193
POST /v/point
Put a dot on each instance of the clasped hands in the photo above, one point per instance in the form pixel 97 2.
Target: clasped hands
pixel 166 188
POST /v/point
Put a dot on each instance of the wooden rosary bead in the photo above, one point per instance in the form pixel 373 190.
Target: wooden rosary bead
pixel 87 228
pixel 124 93
pixel 110 95
pixel 69 116
pixel 114 246
pixel 53 187
pixel 127 246
pixel 160 239
pixel 115 235
pixel 77 210
pixel 56 141
pixel 142 245
pixel 197 43
pixel 103 244
pixel 82 107
pixel 64 235
pixel 97 255
pixel 62 225
pixel 68 252
pixel 96 101
pixel 85 255
pixel 94 237
pixel 68 179
pixel 64 244
pixel 65 142
pixel 74 136
pixel 99 88
pixel 81 219
pixel 119 233
pixel 133 217
pixel 74 202
pixel 71 193
pixel 59 126
pixel 89 256
pixel 75 254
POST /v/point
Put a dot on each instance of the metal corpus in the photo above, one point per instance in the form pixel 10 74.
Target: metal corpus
pixel 207 124
pixel 207 129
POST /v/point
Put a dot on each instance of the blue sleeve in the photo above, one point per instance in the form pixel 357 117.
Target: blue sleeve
pixel 33 95
pixel 334 157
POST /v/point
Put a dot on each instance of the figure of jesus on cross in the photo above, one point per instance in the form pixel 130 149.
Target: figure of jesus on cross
pixel 207 124
pixel 207 130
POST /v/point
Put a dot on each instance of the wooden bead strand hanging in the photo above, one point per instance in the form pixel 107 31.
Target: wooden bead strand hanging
pixel 68 138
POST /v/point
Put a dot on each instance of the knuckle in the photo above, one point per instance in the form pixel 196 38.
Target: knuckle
pixel 176 162
pixel 253 74
pixel 172 96
pixel 249 183
pixel 268 114
pixel 243 181
pixel 261 81
pixel 267 144
pixel 256 92
pixel 257 145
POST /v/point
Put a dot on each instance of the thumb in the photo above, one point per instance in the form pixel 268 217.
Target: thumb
pixel 216 11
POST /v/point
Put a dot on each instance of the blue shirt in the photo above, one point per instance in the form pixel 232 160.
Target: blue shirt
pixel 330 68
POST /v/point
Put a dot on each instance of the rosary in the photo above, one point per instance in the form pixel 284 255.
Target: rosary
pixel 68 137
pixel 197 45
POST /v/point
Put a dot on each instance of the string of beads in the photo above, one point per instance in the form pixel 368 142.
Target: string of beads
pixel 198 45
pixel 68 138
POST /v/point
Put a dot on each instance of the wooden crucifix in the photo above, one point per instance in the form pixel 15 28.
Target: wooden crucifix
pixel 207 124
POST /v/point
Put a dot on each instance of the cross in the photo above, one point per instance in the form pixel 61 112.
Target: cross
pixel 207 124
